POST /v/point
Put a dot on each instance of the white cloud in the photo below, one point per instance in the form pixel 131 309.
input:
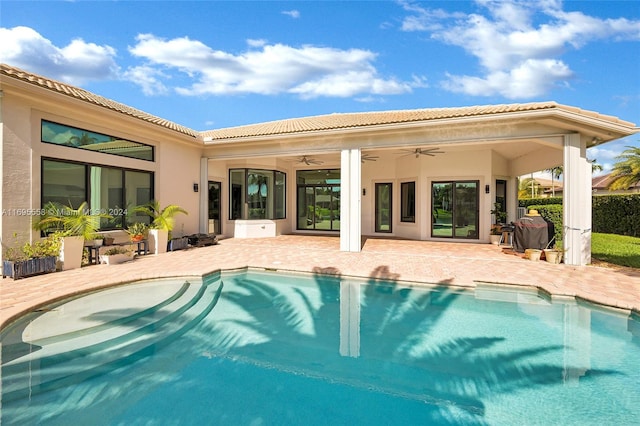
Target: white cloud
pixel 529 79
pixel 295 14
pixel 75 63
pixel 307 71
pixel 256 42
pixel 148 78
pixel 519 57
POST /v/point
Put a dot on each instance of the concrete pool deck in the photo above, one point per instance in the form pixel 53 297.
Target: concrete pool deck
pixel 461 265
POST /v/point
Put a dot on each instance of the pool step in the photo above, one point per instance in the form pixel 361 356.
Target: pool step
pixel 79 355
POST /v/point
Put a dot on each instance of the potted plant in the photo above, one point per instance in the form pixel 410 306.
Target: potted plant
pixel 96 241
pixel 162 223
pixel 495 234
pixel 554 254
pixel 75 226
pixel 31 259
pixel 137 231
pixel 499 215
pixel 116 255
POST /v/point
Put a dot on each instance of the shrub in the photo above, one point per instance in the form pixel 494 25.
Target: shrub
pixel 617 214
pixel 529 202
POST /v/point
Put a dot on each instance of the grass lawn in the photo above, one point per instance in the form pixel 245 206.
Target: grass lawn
pixel 617 249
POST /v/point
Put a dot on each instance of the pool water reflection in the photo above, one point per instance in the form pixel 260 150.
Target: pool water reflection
pixel 267 348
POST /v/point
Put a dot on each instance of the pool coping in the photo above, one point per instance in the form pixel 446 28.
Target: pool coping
pixel 539 292
pixel 416 262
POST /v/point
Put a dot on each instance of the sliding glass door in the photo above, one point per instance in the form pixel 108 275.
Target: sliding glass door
pixel 318 200
pixel 455 209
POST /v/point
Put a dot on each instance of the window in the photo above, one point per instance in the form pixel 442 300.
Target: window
pixel 318 200
pixel 257 194
pixel 384 194
pixel 408 202
pixel 455 209
pixel 60 134
pixel 109 190
pixel 214 201
pixel 501 196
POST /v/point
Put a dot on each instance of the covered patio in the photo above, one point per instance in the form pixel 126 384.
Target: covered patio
pixel 428 174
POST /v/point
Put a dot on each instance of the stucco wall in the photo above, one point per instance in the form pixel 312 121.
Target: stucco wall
pixel 175 169
pixel 16 172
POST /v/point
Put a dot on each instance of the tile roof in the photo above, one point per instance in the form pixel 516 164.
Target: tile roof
pixel 603 182
pixel 86 96
pixel 319 123
pixel 367 119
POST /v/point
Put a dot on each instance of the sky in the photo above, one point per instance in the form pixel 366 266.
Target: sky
pixel 216 64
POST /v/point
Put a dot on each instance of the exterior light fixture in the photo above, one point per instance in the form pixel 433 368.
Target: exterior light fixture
pixel 195 187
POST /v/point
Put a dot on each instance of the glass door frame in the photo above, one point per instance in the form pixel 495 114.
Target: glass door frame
pixel 217 222
pixel 382 199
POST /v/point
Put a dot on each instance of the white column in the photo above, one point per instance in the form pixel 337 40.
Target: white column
pixel 577 202
pixel 203 195
pixel 350 217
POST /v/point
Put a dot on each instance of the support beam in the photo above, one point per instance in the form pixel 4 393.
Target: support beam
pixel 577 202
pixel 203 223
pixel 350 201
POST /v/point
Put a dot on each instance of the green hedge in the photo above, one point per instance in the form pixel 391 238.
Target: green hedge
pixel 617 214
pixel 539 201
pixel 551 213
pixel 611 214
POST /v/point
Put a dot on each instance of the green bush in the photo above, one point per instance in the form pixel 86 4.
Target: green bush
pixel 617 214
pixel 551 213
pixel 611 214
pixel 539 201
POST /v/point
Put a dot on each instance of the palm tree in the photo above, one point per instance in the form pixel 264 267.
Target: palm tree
pixel 71 222
pixel 556 172
pixel 626 172
pixel 528 188
pixel 82 140
pixel 162 218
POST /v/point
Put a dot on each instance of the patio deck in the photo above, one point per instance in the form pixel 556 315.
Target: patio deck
pixel 463 265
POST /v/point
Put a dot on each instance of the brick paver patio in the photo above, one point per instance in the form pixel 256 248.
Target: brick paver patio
pixel 463 265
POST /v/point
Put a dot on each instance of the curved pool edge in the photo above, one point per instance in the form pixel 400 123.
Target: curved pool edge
pixel 10 315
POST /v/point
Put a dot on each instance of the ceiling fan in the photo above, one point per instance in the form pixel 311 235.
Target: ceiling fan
pixel 309 161
pixel 368 157
pixel 431 152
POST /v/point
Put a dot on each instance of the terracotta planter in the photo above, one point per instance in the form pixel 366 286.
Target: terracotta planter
pixel 532 254
pixel 553 256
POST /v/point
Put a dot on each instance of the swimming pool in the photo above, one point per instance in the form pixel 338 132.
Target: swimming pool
pixel 261 348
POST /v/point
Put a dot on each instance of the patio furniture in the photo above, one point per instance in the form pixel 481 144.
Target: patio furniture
pixel 506 236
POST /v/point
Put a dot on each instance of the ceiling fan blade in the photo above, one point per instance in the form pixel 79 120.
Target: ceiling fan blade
pixel 309 161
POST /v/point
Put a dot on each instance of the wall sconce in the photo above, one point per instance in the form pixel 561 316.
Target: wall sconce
pixel 195 187
pixel 364 191
pixel 487 189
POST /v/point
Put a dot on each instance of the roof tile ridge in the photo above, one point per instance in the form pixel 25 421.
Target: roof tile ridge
pixel 93 98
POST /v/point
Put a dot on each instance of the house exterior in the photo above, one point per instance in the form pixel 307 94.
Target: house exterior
pixel 427 174
pixel 600 186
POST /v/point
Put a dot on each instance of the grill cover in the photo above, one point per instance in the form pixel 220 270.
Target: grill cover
pixel 532 232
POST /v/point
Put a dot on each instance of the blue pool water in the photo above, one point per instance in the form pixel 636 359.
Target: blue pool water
pixel 258 348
